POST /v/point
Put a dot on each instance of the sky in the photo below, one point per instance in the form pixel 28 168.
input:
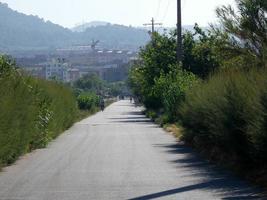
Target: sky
pixel 69 13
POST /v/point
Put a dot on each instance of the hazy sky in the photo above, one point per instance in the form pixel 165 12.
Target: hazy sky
pixel 68 13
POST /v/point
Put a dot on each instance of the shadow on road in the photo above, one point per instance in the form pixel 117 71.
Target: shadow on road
pixel 212 177
pixel 208 176
pixel 134 113
pixel 214 184
pixel 145 121
pixel 131 117
pixel 127 105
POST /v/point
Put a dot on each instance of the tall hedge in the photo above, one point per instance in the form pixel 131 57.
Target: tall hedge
pixel 32 112
pixel 228 114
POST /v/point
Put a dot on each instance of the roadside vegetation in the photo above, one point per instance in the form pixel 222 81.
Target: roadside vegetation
pixel 90 89
pixel 217 94
pixel 32 112
pixel 92 83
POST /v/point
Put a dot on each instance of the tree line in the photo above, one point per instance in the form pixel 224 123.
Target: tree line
pixel 218 92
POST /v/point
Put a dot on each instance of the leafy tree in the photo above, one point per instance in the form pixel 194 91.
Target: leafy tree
pixel 90 82
pixel 157 71
pixel 157 58
pixel 117 88
pixel 247 31
pixel 200 52
pixel 172 88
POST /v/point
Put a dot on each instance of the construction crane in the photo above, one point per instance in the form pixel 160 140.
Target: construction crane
pixel 94 43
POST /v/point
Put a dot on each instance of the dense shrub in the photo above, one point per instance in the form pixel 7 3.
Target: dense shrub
pixel 32 112
pixel 92 83
pixel 88 101
pixel 171 88
pixel 228 113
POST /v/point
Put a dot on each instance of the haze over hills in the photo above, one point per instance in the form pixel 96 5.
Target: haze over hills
pixel 85 25
pixel 20 31
pixel 28 32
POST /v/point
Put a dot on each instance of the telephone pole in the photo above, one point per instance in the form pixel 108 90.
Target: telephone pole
pixel 179 32
pixel 153 24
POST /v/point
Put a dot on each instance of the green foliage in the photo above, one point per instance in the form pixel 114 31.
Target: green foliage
pixel 151 114
pixel 200 52
pixel 88 101
pixel 171 88
pixel 32 112
pixel 136 81
pixel 156 79
pixel 118 88
pixel 91 83
pixel 157 59
pixel 225 112
pixel 246 29
pixel 229 113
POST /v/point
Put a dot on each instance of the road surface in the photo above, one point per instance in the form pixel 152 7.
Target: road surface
pixel 118 154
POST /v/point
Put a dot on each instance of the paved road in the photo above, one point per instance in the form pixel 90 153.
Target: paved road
pixel 118 154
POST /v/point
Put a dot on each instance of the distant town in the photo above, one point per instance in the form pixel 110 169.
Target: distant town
pixel 70 64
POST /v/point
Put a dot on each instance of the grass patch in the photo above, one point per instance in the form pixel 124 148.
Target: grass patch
pixel 174 129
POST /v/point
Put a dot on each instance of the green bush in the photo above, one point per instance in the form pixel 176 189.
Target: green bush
pixel 171 88
pixel 228 113
pixel 88 101
pixel 151 114
pixel 32 112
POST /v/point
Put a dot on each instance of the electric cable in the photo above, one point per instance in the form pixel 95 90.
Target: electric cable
pixel 166 11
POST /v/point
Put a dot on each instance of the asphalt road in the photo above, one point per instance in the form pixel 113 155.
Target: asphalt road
pixel 118 154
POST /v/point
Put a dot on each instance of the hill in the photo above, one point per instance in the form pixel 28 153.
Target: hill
pixel 28 32
pixel 82 27
pixel 20 31
pixel 117 36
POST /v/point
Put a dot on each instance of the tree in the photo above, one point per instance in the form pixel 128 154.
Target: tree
pixel 153 78
pixel 156 58
pixel 200 53
pixel 246 29
pixel 90 82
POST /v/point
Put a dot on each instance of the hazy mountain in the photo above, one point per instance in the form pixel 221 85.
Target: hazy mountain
pixel 28 32
pixel 82 27
pixel 117 36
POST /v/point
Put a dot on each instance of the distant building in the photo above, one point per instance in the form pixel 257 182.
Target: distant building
pixel 73 75
pixel 57 69
pixel 68 65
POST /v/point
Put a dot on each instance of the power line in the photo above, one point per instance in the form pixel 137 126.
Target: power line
pixel 166 10
pixel 184 4
pixel 158 8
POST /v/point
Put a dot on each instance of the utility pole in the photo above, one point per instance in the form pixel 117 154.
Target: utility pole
pixel 153 24
pixel 179 32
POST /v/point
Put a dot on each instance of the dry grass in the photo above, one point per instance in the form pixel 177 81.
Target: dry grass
pixel 174 130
